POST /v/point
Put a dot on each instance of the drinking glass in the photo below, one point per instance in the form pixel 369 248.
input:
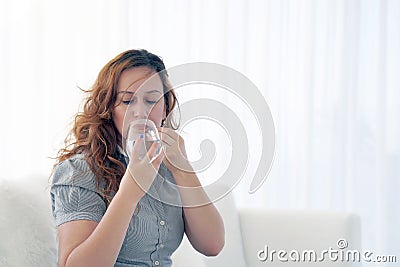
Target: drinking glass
pixel 148 129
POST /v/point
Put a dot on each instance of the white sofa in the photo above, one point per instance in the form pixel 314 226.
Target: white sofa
pixel 249 232
pixel 28 234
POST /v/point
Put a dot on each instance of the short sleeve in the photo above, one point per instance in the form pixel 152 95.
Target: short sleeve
pixel 74 195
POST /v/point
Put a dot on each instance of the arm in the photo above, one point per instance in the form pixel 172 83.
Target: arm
pixel 87 243
pixel 203 224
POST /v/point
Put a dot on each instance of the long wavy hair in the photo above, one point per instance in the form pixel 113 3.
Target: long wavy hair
pixel 94 134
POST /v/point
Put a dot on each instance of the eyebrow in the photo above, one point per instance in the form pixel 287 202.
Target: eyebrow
pixel 132 93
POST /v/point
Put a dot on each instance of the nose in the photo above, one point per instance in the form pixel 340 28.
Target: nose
pixel 140 110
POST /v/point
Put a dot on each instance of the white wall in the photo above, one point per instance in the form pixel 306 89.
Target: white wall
pixel 328 69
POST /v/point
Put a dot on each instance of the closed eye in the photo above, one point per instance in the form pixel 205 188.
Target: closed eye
pixel 127 102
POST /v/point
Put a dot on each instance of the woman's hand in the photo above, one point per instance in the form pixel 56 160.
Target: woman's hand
pixel 174 149
pixel 142 171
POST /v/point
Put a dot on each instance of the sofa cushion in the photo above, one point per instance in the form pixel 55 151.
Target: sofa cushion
pixel 301 231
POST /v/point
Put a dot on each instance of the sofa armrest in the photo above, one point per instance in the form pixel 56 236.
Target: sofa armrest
pixel 28 234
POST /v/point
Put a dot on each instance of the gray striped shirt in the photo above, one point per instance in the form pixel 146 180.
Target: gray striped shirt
pixel 155 230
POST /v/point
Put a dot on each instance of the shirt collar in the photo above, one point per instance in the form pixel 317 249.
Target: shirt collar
pixel 120 150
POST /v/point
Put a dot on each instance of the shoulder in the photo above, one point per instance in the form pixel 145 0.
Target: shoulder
pixel 74 171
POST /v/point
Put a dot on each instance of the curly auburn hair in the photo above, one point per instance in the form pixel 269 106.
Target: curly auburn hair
pixel 94 134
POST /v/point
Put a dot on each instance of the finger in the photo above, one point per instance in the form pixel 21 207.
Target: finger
pixel 156 161
pixel 169 132
pixel 165 144
pixel 168 139
pixel 138 148
pixel 152 150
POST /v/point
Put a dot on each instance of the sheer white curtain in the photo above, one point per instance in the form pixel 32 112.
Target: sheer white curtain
pixel 328 69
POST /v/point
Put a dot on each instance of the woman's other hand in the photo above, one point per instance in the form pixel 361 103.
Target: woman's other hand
pixel 175 152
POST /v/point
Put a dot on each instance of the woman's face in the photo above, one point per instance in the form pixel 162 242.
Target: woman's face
pixel 138 97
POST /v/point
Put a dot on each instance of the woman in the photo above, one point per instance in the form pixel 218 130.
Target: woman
pixel 103 202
